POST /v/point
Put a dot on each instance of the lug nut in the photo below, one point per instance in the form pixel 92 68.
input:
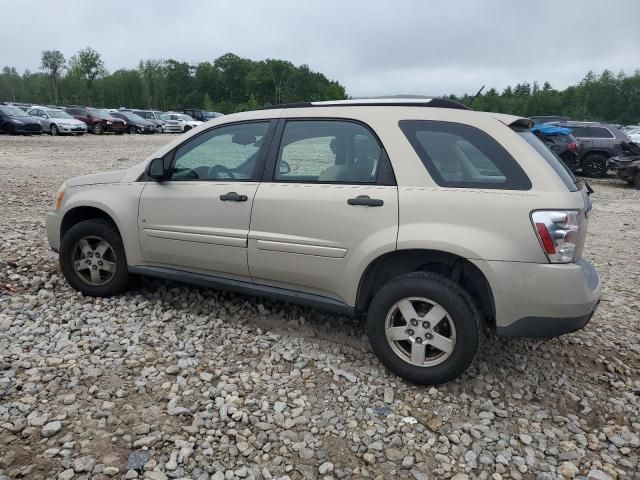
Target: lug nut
pixel 419 340
pixel 88 262
pixel 428 336
pixel 409 332
pixel 426 325
pixel 414 322
pixel 95 267
pixel 100 263
pixel 97 255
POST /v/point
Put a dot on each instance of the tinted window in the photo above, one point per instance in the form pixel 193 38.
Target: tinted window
pixel 461 156
pixel 599 132
pixel 227 153
pixel 579 131
pixel 553 160
pixel 327 151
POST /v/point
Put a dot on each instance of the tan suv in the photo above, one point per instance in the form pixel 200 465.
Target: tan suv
pixel 433 220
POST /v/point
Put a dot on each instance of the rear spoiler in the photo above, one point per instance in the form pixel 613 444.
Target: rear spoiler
pixel 522 123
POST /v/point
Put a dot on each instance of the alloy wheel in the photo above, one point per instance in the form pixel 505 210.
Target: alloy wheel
pixel 94 260
pixel 420 331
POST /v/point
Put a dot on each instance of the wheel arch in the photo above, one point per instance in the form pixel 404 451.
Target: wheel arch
pixel 79 214
pixel 457 268
pixel 590 153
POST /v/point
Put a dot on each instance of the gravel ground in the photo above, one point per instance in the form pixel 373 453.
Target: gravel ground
pixel 172 381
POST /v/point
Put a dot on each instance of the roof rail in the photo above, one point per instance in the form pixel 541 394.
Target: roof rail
pixel 377 102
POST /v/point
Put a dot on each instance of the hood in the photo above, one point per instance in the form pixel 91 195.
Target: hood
pixel 23 118
pixel 69 121
pixel 97 178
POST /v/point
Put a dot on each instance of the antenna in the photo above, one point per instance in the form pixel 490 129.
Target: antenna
pixel 475 96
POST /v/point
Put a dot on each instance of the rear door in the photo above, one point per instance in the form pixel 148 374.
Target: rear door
pixel 198 219
pixel 328 203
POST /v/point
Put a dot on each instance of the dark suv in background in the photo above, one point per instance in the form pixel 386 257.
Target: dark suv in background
pixel 201 115
pixel 98 121
pixel 598 143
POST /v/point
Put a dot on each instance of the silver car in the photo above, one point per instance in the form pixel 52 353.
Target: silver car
pixel 57 122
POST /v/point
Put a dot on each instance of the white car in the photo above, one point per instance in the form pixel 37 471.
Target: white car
pixel 185 122
pixel 634 135
pixel 58 122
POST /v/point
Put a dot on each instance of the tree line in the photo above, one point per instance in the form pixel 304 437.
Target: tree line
pixel 231 83
pixel 228 84
pixel 605 97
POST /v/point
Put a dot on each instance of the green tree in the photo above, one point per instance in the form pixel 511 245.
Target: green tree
pixel 87 64
pixel 53 62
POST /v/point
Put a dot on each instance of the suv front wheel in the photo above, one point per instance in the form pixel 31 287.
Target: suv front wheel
pixel 93 260
pixel 424 328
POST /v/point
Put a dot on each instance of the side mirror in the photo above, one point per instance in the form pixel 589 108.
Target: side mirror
pixel 284 168
pixel 156 170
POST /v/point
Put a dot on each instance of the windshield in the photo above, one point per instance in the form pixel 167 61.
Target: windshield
pixel 58 114
pixel 186 118
pixel 553 160
pixel 158 114
pixel 13 111
pixel 100 113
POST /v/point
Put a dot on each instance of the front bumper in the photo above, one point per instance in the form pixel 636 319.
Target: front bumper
pixel 28 128
pixel 542 300
pixel 72 129
pixel 53 230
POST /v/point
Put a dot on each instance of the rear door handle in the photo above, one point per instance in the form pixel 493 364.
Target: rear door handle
pixel 365 200
pixel 233 197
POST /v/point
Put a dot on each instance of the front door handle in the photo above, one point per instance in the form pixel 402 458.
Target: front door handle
pixel 233 197
pixel 365 200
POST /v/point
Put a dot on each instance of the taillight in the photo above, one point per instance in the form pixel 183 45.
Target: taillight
pixel 573 146
pixel 557 232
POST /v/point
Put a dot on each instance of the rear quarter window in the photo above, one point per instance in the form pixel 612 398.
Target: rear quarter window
pixel 553 160
pixel 462 156
pixel 600 132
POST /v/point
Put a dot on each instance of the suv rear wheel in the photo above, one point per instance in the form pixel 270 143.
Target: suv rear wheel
pixel 636 181
pixel 93 260
pixel 424 328
pixel 594 166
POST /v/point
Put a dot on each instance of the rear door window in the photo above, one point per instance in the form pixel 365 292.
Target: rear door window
pixel 580 131
pixel 462 156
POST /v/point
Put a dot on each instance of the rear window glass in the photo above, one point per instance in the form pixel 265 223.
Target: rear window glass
pixel 462 156
pixel 553 160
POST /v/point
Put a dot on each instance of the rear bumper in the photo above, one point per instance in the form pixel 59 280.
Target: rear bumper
pixel 542 300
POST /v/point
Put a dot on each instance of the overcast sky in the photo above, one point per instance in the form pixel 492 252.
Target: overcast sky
pixel 373 47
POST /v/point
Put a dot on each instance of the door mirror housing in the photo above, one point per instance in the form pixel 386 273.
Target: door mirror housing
pixel 156 170
pixel 284 168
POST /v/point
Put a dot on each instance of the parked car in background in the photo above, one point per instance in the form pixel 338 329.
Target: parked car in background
pixel 58 122
pixel 152 116
pixel 627 165
pixel 335 217
pixel 14 120
pixel 634 135
pixel 201 115
pixel 135 123
pixel 561 142
pixel 185 121
pixel 548 118
pixel 98 121
pixel 598 143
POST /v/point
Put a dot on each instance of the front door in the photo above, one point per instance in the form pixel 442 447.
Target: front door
pixel 198 219
pixel 328 206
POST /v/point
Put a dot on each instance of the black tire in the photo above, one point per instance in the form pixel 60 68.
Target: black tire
pixel 98 129
pixel 101 229
pixel 10 129
pixel 453 299
pixel 636 181
pixel 55 131
pixel 186 128
pixel 133 130
pixel 594 165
